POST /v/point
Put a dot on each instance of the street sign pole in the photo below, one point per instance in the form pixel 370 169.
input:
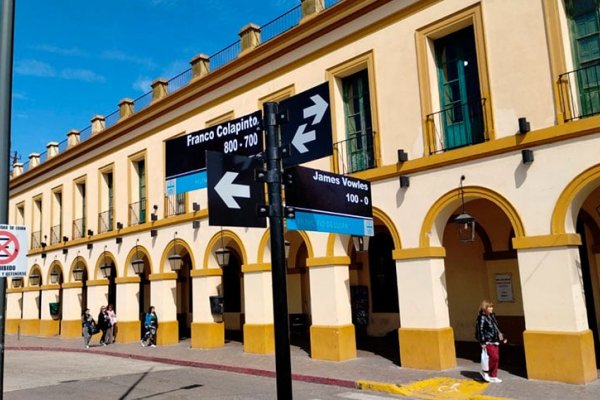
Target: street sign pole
pixel 278 272
pixel 6 59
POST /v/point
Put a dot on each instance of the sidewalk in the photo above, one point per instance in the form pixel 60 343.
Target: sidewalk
pixel 367 371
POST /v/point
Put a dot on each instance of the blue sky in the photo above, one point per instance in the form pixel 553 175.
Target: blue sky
pixel 74 59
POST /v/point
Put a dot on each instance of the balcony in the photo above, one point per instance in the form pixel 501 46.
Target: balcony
pixel 459 125
pixel 55 234
pixel 36 240
pixel 579 92
pixel 137 212
pixel 355 154
pixel 79 228
pixel 105 221
pixel 175 204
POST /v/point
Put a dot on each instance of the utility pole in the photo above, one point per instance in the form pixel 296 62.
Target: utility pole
pixel 7 20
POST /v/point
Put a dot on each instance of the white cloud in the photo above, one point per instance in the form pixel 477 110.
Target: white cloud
pixel 142 84
pixel 73 51
pixel 118 55
pixel 84 75
pixel 35 68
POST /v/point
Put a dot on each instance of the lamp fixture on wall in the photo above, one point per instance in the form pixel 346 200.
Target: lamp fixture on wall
pixel 153 232
pixel 464 221
pixel 78 271
pixel 65 239
pixel 195 206
pixel 118 240
pixel 402 156
pixel 223 254
pixel 90 246
pixel 54 276
pixel 65 251
pixel 106 266
pixel 404 181
pixel 527 156
pixel 90 232
pixel 524 125
pixel 137 262
pixel 45 242
pixel 17 282
pixel 154 215
pixel 119 225
pixel 34 279
pixel 175 259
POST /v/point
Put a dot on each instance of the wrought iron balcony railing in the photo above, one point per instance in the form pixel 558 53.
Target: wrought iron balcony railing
pixel 105 221
pixel 78 228
pixel 175 204
pixel 461 124
pixel 55 234
pixel 355 153
pixel 579 92
pixel 137 212
pixel 36 239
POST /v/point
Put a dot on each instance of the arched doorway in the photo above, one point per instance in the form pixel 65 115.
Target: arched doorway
pixel 232 292
pixel 184 297
pixel 55 301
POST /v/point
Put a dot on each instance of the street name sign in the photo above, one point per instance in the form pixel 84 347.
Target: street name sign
pixel 233 192
pixel 308 128
pixel 185 168
pixel 13 250
pixel 328 202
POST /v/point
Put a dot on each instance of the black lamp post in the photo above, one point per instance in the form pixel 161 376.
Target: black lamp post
pixel 465 222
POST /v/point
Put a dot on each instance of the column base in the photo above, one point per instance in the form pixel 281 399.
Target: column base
pixel 208 335
pixel 71 329
pixel 30 327
pixel 259 338
pixel 560 356
pixel 167 333
pixel 332 343
pixel 431 349
pixel 128 331
pixel 12 326
pixel 49 327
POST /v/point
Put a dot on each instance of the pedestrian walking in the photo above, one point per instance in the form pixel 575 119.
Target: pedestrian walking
pixel 103 324
pixel 489 337
pixel 88 326
pixel 150 327
pixel 111 331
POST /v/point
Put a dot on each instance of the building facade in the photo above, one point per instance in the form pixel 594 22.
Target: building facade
pixel 489 108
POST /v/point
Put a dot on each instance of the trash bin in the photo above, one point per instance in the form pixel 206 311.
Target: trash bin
pixel 216 304
pixel 54 309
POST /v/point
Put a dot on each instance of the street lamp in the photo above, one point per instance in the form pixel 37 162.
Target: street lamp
pixel 223 255
pixel 465 222
pixel 54 276
pixel 78 273
pixel 17 282
pixel 137 263
pixel 106 267
pixel 34 279
pixel 175 259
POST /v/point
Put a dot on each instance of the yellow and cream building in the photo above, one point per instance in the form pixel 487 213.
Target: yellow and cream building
pixel 490 108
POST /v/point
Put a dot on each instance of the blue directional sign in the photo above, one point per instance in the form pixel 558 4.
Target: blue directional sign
pixel 186 155
pixel 328 202
pixel 308 129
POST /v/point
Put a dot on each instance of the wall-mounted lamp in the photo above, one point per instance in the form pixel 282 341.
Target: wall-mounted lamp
pixel 195 206
pixel 464 221
pixel 361 243
pixel 119 225
pixel 524 126
pixel 106 266
pixel 65 251
pixel 65 239
pixel 404 181
pixel 402 156
pixel 78 273
pixel 527 156
pixel 90 246
pixel 223 255
pixel 54 276
pixel 17 282
pixel 287 245
pixel 45 242
pixel 34 279
pixel 119 240
pixel 153 232
pixel 90 232
pixel 175 260
pixel 137 262
pixel 154 215
pixel 195 224
pixel 43 255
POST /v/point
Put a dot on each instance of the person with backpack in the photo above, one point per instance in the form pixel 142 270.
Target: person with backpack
pixel 88 326
pixel 489 337
pixel 150 327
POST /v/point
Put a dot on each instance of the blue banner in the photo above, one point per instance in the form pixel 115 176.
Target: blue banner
pixel 335 223
pixel 186 183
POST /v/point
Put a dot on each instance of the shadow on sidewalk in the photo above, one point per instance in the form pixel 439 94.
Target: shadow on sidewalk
pixel 512 357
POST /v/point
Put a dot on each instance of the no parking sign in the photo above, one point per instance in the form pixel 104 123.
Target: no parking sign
pixel 13 250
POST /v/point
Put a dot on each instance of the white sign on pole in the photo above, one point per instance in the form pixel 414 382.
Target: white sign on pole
pixel 13 250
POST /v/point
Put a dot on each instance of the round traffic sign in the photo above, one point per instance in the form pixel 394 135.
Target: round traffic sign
pixel 9 247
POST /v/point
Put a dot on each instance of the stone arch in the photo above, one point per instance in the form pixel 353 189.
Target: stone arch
pixel 135 250
pixel 181 244
pixel 79 260
pixel 226 238
pixel 35 268
pixel 437 217
pixel 570 201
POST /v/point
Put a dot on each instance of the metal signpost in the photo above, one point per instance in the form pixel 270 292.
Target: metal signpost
pixel 7 19
pixel 185 166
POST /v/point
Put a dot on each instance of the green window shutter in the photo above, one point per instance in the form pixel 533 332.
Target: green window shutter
pixel 142 190
pixel 359 130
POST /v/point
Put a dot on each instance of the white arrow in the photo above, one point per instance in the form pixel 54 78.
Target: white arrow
pixel 228 190
pixel 301 138
pixel 317 109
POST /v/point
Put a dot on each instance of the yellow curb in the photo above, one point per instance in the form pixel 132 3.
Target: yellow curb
pixel 433 389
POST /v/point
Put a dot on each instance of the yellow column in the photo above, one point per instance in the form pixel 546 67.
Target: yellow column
pixel 30 324
pixel 259 332
pixel 162 288
pixel 128 311
pixel 208 330
pixel 559 345
pixel 332 335
pixel 14 298
pixel 50 324
pixel 426 338
pixel 72 310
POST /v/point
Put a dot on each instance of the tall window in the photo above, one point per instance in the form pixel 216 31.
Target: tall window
pixel 56 229
pixel 79 221
pixel 359 129
pixel 141 169
pixel 106 216
pixel 584 28
pixel 20 216
pixel 36 234
pixel 461 111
